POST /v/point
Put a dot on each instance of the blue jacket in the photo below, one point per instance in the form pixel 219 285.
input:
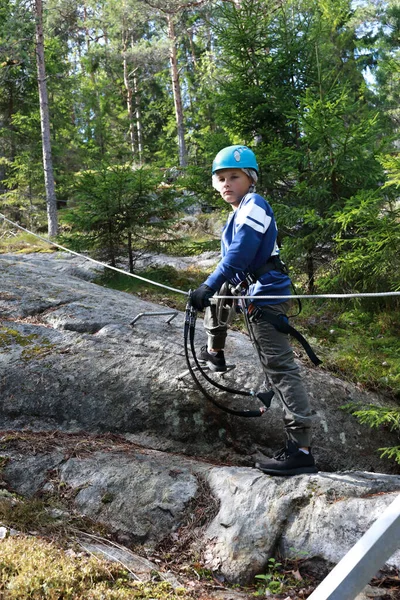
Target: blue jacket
pixel 248 241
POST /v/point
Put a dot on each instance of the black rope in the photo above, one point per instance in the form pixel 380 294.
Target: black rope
pixel 189 331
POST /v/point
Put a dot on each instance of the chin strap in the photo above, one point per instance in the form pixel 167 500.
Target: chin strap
pixel 189 333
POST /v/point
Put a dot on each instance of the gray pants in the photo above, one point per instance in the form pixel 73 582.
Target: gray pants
pixel 278 363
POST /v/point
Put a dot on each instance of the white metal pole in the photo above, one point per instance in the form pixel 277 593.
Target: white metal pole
pixel 365 558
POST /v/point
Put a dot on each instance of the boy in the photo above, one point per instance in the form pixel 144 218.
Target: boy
pixel 249 246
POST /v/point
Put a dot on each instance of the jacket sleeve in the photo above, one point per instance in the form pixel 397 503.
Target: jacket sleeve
pixel 252 222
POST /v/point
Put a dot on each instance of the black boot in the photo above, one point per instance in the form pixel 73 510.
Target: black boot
pixel 215 362
pixel 289 461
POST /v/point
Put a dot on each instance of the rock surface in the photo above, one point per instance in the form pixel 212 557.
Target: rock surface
pixel 146 496
pixel 70 360
pixel 136 447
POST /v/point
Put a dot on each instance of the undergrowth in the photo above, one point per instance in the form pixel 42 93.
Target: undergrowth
pixel 358 343
pixel 376 417
pixel 191 278
pixel 43 559
pixel 37 569
pixel 22 243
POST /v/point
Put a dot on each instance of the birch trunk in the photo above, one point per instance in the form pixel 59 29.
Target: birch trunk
pixel 51 200
pixel 176 91
pixel 138 117
pixel 129 103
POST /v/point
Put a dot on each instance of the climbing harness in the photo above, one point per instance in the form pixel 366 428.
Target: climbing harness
pixel 189 334
pixel 255 313
pixel 252 314
pixel 250 311
pixel 281 323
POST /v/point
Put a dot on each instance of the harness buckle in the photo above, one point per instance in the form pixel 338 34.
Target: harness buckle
pixel 254 313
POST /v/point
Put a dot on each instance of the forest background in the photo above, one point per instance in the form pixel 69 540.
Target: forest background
pixel 111 112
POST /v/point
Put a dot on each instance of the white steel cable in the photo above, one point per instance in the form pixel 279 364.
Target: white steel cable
pixel 272 297
pixel 97 262
pixel 360 295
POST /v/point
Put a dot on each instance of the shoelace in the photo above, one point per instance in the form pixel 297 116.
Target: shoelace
pixel 282 454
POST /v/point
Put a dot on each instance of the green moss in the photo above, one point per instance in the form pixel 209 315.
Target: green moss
pixel 27 515
pixel 39 569
pixel 36 352
pixel 107 498
pixel 9 337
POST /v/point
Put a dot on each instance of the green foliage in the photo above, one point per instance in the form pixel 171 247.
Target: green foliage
pixel 391 164
pixel 118 209
pixel 197 181
pixel 299 90
pixel 368 242
pixel 358 341
pixel 392 453
pixel 378 417
pixel 293 88
pixel 272 581
pixel 24 201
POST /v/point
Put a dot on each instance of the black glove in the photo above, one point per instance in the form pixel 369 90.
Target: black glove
pixel 200 298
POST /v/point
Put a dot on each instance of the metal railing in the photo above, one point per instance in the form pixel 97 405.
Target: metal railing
pixel 156 314
pixel 363 561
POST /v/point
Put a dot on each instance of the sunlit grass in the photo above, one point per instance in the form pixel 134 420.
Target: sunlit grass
pixel 359 344
pixel 23 243
pixel 40 570
pixel 185 280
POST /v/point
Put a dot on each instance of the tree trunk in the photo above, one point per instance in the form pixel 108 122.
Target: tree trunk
pixel 177 91
pixel 111 244
pixel 310 274
pixel 130 252
pixel 138 117
pixel 192 49
pixel 129 103
pixel 45 124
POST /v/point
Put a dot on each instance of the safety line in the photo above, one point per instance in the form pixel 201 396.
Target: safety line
pixel 272 297
pixel 97 262
pixel 361 295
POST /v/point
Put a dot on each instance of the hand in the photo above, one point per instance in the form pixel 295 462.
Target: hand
pixel 200 298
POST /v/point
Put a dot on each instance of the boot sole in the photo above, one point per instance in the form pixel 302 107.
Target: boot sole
pixel 213 367
pixel 216 369
pixel 281 472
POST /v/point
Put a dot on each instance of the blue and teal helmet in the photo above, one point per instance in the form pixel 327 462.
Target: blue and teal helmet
pixel 235 157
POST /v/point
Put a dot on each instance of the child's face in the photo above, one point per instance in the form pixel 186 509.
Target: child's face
pixel 232 184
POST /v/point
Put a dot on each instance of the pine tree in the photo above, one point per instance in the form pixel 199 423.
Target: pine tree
pixel 51 200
